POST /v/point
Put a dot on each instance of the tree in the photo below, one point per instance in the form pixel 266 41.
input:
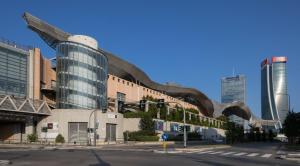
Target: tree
pixel 291 126
pixel 234 133
pixel 271 135
pixel 147 123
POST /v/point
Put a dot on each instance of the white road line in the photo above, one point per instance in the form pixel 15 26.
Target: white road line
pixel 227 153
pixel 4 162
pixel 240 154
pixel 266 155
pixel 204 152
pixel 216 152
pixel 252 154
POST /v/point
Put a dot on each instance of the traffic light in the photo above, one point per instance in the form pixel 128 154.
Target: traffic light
pixel 160 103
pixel 180 128
pixel 187 128
pixel 142 104
pixel 121 106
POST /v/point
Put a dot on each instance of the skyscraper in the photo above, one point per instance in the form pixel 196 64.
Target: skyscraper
pixel 274 95
pixel 233 89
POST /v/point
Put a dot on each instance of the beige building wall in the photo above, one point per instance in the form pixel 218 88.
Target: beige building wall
pixel 135 92
pixel 60 118
pixel 36 73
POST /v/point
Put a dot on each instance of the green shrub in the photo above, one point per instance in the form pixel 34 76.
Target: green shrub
pixel 141 135
pixel 59 139
pixel 134 114
pixel 194 136
pixel 172 137
pixel 32 137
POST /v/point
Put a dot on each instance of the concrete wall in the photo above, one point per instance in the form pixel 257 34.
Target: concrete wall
pixel 60 119
pixel 131 124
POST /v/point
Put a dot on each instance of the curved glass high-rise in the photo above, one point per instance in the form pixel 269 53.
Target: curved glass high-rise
pixel 81 74
pixel 274 94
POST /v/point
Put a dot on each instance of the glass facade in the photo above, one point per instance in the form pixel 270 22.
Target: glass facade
pixel 233 89
pixel 274 94
pixel 81 77
pixel 13 71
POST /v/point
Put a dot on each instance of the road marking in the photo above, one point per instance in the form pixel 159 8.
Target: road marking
pixel 266 155
pixel 240 154
pixel 204 152
pixel 252 154
pixel 216 152
pixel 4 162
pixel 223 154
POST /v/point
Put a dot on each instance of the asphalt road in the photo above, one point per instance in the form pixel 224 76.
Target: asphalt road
pixel 259 154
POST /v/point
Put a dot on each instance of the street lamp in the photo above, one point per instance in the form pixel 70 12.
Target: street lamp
pixel 95 124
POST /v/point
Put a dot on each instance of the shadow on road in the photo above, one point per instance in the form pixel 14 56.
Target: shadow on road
pixel 100 161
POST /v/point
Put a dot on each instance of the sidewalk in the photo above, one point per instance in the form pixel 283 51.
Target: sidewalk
pixel 139 146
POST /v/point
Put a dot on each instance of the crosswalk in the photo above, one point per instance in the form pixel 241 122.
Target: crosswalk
pixel 233 153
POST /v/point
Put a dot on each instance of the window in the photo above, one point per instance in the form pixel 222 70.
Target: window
pixel 121 96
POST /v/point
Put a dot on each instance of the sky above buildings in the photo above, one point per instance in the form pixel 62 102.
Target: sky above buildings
pixel 192 43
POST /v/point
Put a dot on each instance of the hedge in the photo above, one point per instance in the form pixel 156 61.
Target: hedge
pixel 140 136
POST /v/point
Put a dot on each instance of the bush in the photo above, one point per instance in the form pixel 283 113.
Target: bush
pixel 134 114
pixel 194 136
pixel 178 137
pixel 141 136
pixel 32 137
pixel 191 136
pixel 59 139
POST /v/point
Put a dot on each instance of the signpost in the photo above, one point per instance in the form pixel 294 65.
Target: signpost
pixel 164 137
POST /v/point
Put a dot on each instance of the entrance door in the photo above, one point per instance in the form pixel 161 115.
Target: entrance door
pixel 11 131
pixel 110 132
pixel 78 132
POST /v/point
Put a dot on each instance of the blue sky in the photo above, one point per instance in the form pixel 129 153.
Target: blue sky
pixel 193 43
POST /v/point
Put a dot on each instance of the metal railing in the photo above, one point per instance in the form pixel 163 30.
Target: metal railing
pixel 14 44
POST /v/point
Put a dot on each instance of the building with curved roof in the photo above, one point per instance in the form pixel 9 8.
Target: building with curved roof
pixel 127 71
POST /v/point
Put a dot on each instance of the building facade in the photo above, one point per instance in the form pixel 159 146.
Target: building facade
pixel 81 74
pixel 274 93
pixel 14 73
pixel 233 89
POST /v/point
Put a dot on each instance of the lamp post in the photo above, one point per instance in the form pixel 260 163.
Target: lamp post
pixel 95 123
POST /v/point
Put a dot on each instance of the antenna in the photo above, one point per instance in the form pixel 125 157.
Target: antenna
pixel 233 72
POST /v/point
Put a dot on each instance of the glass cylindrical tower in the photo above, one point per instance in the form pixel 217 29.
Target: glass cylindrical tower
pixel 81 74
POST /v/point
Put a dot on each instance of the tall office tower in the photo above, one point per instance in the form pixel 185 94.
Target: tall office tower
pixel 233 89
pixel 274 95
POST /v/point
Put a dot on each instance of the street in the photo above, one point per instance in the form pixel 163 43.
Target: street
pixel 244 154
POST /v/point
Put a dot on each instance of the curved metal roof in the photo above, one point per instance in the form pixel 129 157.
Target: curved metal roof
pixel 237 108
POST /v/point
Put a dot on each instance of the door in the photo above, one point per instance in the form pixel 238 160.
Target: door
pixel 110 132
pixel 78 132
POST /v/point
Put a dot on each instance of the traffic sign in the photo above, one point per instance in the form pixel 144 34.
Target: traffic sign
pixel 164 137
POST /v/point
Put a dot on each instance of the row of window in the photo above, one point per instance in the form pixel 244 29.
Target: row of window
pixel 81 77
pixel 145 89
